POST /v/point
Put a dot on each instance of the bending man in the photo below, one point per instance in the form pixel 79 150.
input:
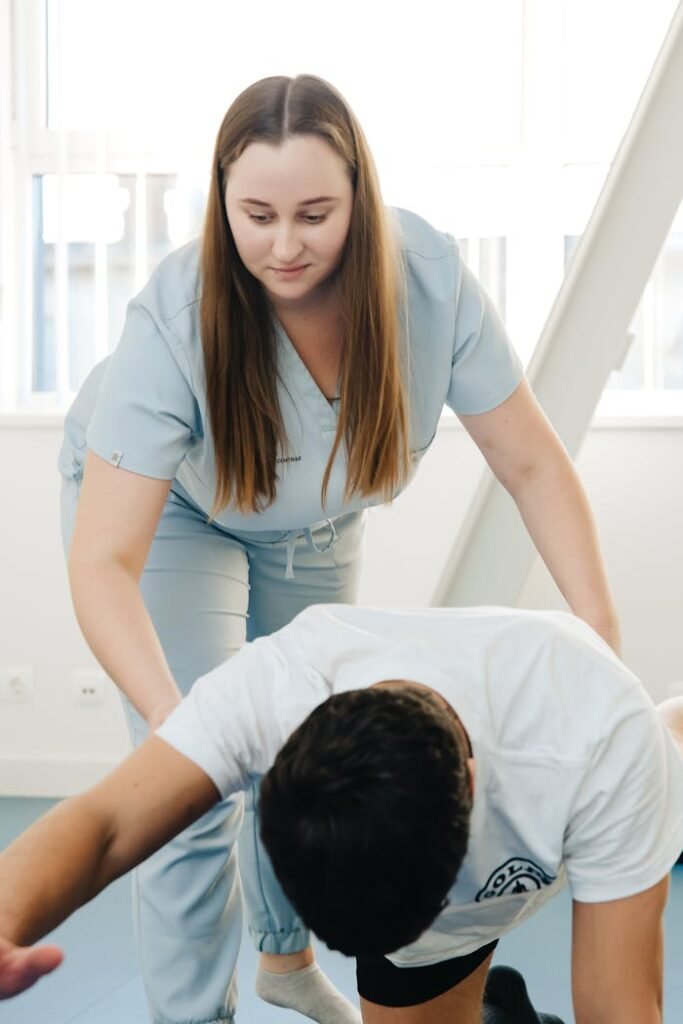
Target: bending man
pixel 431 778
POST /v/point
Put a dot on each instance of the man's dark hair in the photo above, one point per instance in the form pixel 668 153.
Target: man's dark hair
pixel 365 815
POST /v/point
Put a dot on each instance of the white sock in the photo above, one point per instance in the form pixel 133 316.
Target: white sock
pixel 308 991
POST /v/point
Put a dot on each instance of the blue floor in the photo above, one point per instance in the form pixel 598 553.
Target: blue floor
pixel 99 984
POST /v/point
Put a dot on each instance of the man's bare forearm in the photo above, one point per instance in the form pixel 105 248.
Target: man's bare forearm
pixel 86 842
pixel 618 959
pixel 55 867
pixel 621 1013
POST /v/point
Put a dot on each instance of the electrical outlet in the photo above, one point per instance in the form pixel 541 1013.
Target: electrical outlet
pixel 89 687
pixel 16 684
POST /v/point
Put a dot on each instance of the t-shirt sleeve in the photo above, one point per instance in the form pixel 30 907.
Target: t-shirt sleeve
pixel 626 828
pixel 234 720
pixel 485 367
pixel 145 417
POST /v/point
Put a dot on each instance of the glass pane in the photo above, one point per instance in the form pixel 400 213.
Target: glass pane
pixel 671 305
pixel 492 270
pixel 655 358
pixel 98 209
pixel 80 298
pixel 570 245
pixel 609 49
pixel 487 261
pixel 169 70
pixel 633 374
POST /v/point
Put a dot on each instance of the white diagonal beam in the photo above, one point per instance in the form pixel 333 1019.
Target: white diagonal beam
pixel 586 333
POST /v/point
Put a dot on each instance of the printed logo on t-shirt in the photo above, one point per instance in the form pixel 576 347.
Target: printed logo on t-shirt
pixel 514 876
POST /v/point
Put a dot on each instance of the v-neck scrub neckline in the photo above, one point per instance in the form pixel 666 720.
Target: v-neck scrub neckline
pixel 296 374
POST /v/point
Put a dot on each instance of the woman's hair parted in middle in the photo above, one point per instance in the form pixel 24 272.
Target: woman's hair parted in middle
pixel 238 338
pixel 365 815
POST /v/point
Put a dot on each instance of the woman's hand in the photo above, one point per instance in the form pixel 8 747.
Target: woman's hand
pixel 22 966
pixel 160 712
pixel 607 628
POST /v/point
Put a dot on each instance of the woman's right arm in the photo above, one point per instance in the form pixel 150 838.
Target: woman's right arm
pixel 117 517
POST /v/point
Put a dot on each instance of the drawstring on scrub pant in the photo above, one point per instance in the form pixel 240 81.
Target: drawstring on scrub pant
pixel 294 535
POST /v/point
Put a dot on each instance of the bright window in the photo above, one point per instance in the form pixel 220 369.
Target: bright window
pixel 495 120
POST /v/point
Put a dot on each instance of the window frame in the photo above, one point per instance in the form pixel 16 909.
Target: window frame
pixel 500 199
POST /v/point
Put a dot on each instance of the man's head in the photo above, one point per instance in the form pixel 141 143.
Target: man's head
pixel 365 815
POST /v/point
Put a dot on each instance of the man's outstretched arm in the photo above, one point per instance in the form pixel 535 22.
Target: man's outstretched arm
pixel 617 959
pixel 86 842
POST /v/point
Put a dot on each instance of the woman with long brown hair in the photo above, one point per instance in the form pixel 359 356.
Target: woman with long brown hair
pixel 271 383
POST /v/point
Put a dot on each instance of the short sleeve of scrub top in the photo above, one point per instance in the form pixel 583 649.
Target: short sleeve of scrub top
pixel 145 418
pixel 459 350
pixel 485 368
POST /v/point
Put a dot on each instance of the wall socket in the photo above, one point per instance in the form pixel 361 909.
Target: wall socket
pixel 89 687
pixel 17 684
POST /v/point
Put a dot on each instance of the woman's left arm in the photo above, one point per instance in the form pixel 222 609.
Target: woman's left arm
pixel 531 462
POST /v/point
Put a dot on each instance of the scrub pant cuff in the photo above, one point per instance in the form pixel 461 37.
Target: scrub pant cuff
pixel 195 1020
pixel 280 942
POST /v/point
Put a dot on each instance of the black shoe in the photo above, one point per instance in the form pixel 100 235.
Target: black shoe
pixel 506 1000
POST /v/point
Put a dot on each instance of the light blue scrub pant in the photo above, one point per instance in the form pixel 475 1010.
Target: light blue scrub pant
pixel 207 590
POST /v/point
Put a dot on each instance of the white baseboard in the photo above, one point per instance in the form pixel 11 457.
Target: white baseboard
pixel 49 778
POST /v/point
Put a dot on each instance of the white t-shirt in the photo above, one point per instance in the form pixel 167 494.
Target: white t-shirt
pixel 576 777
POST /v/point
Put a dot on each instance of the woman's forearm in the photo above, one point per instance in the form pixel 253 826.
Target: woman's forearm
pixel 556 512
pixel 530 461
pixel 121 635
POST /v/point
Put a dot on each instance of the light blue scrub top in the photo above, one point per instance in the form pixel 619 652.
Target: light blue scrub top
pixel 144 408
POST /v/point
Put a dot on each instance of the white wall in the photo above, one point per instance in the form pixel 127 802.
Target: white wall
pixel 53 746
pixel 635 484
pixel 50 746
pixel 634 480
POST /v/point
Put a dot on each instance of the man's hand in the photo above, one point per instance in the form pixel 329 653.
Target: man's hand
pixel 84 843
pixel 22 966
